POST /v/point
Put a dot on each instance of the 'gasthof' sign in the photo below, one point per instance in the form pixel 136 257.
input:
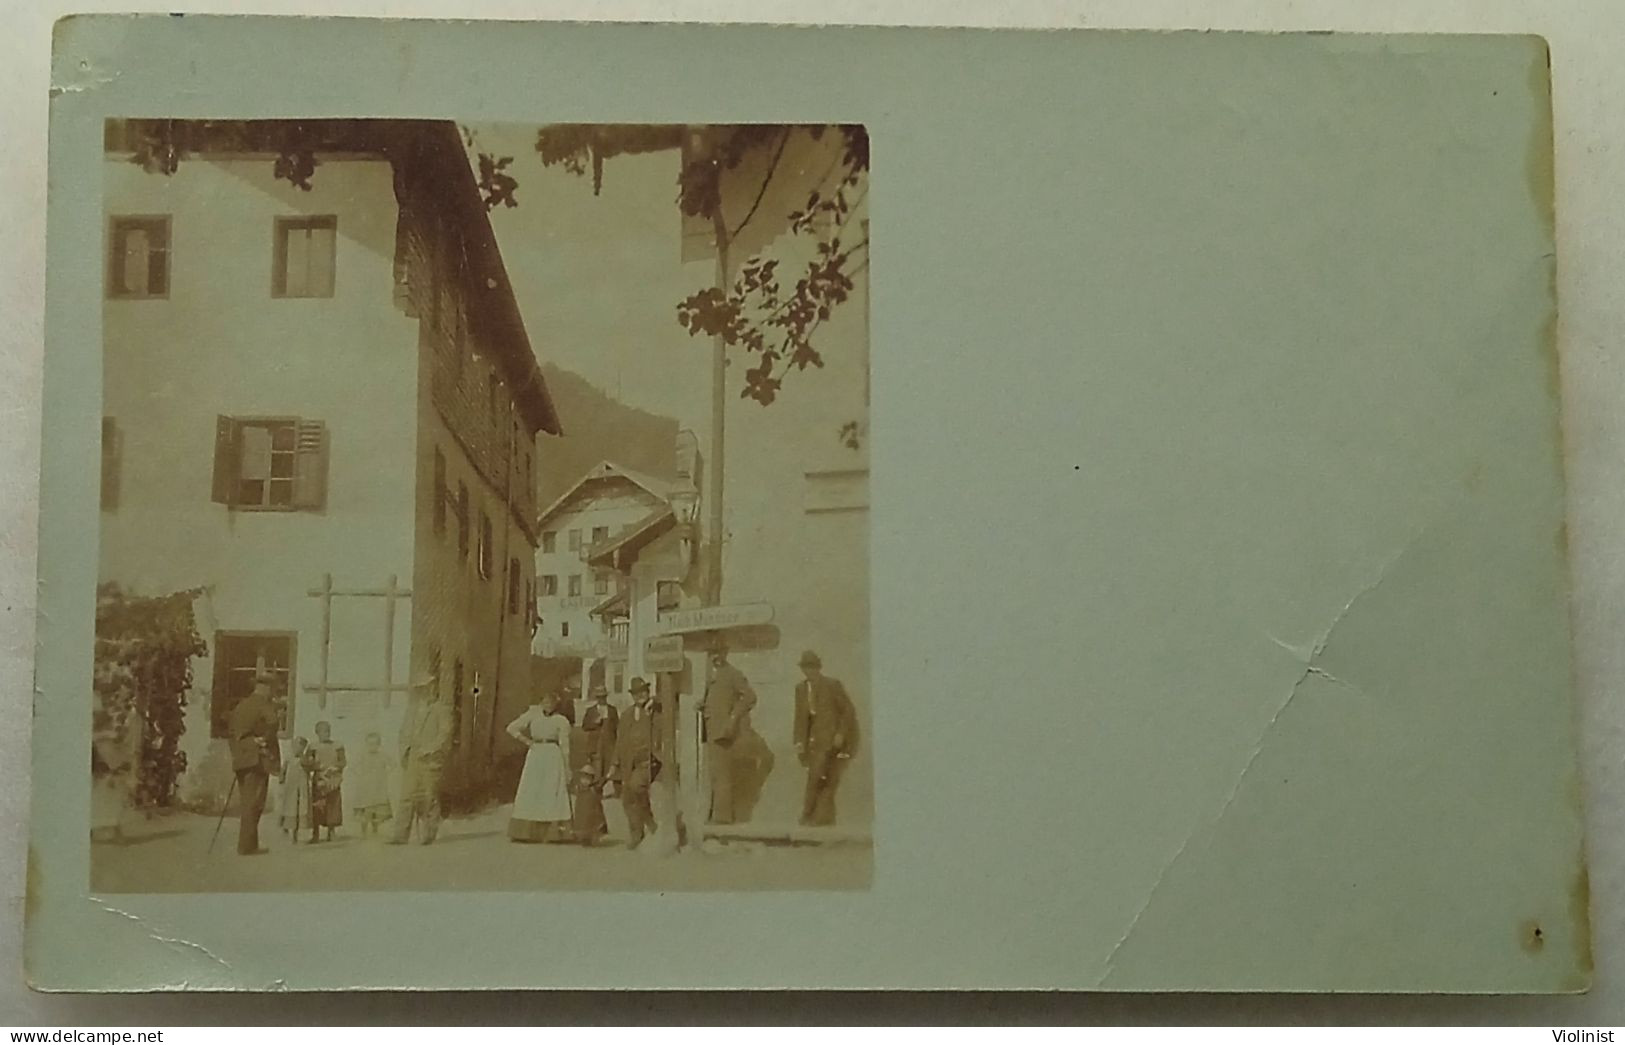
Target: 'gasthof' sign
pixel 715 618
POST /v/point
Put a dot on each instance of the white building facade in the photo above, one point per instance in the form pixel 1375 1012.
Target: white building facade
pixel 270 429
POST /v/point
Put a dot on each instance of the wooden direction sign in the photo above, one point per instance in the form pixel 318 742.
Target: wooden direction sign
pixel 663 654
pixel 715 618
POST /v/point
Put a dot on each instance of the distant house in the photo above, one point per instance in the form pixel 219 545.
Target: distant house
pixel 581 604
pixel 321 406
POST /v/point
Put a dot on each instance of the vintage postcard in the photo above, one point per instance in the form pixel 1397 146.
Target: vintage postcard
pixel 503 534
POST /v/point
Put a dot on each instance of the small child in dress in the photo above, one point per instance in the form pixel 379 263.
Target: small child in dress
pixel 293 803
pixel 325 762
pixel 369 788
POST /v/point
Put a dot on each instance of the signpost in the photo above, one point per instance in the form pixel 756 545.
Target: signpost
pixel 663 654
pixel 715 618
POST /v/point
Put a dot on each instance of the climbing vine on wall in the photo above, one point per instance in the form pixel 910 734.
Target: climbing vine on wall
pixel 143 672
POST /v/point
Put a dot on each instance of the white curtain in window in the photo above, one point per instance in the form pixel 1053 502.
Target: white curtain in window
pixel 137 260
pixel 319 265
pixel 309 262
pixel 256 462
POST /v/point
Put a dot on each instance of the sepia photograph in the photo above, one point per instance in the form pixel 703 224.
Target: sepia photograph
pixel 484 506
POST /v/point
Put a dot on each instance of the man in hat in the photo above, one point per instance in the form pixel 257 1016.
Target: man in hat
pixel 640 744
pixel 595 752
pixel 826 735
pixel 255 757
pixel 726 715
pixel 425 738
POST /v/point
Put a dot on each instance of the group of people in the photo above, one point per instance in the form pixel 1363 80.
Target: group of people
pixel 313 780
pixel 313 787
pixel 563 784
pixel 568 771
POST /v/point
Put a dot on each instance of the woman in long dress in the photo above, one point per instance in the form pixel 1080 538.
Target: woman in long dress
pixel 541 807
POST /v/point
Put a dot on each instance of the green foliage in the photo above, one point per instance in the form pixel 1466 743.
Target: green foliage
pixel 295 165
pixel 775 324
pixel 143 671
pixel 496 184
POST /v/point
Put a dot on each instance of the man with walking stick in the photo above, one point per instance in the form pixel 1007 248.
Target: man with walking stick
pixel 255 758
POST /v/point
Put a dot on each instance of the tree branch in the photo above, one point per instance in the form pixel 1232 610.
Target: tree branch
pixel 784 140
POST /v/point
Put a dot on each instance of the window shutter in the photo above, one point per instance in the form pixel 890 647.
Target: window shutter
pixel 310 466
pixel 227 453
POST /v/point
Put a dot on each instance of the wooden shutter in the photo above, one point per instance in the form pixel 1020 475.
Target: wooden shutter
pixel 310 466
pixel 227 456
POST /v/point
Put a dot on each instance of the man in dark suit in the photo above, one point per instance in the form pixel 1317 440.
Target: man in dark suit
pixel 726 712
pixel 640 744
pixel 592 752
pixel 255 758
pixel 826 737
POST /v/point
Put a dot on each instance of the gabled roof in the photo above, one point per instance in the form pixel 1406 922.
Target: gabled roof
pixel 660 489
pixel 633 538
pixel 617 601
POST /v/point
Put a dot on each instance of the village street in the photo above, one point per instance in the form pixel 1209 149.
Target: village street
pixel 170 853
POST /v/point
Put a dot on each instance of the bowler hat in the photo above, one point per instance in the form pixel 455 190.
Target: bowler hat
pixel 639 686
pixel 809 659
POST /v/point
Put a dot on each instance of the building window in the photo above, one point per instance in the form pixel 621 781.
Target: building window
pixel 487 555
pixel 439 493
pixel 530 605
pixel 303 263
pixel 493 392
pixel 575 540
pixel 600 583
pixel 457 702
pixel 564 629
pixel 463 520
pixel 620 680
pixel 600 533
pixel 550 540
pixel 575 584
pixel 550 584
pixel 529 478
pixel 434 671
pixel 270 463
pixel 513 587
pixel 239 656
pixel 668 596
pixel 110 463
pixel 138 258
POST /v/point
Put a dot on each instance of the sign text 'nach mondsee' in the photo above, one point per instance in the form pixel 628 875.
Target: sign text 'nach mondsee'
pixel 715 618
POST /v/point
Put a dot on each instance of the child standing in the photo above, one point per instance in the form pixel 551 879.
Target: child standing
pixel 325 760
pixel 369 792
pixel 293 803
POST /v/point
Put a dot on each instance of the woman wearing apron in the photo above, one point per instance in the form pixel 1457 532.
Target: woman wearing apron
pixel 541 807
